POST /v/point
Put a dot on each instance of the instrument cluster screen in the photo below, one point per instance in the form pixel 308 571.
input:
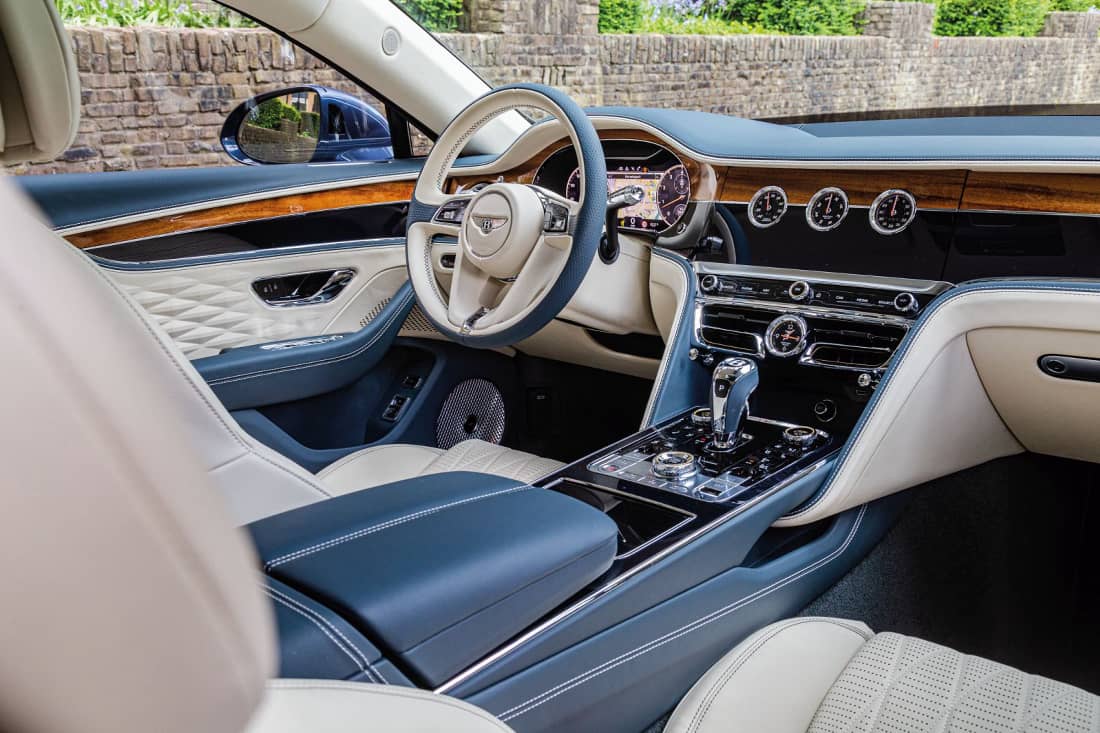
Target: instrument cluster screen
pixel 665 181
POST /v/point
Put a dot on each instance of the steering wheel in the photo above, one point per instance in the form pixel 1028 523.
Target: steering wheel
pixel 522 250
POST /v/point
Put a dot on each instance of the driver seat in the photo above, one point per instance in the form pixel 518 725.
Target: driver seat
pixel 100 328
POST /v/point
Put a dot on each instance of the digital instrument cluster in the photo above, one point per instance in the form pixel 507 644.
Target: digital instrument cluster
pixel 660 174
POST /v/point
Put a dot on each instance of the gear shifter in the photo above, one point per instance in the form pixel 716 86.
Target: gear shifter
pixel 733 383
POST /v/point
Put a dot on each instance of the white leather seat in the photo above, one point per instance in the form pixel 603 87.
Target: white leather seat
pixel 387 463
pixel 833 676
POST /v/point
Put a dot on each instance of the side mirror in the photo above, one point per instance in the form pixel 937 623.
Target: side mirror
pixel 309 124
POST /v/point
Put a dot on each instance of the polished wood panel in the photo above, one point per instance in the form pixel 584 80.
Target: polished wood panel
pixel 932 189
pixel 704 177
pixel 1056 193
pixel 337 198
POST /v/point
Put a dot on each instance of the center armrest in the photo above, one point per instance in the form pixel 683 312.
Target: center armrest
pixel 439 570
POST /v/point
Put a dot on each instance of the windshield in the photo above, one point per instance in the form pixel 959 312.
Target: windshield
pixel 788 61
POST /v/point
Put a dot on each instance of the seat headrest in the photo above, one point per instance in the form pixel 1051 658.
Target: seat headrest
pixel 39 85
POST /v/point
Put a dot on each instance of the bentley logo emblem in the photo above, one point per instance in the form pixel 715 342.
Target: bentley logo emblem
pixel 489 223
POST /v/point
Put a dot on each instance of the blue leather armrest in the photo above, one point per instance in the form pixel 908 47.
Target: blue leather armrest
pixel 254 376
pixel 440 569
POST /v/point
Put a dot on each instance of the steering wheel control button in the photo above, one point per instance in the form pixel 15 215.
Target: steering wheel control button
pixel 452 212
pixel 675 465
pixel 800 291
pixel 786 336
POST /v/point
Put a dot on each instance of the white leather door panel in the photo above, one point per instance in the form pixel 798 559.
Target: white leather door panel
pixel 210 307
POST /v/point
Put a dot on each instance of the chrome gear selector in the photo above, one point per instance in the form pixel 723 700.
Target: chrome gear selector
pixel 732 384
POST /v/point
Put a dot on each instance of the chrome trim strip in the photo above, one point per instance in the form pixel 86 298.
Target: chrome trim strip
pixel 922 287
pixel 615 582
pixel 814 311
pixel 758 352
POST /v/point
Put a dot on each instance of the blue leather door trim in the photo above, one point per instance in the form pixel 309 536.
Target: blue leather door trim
pixel 644 665
pixel 79 199
pixel 253 376
pixel 481 557
pixel 303 249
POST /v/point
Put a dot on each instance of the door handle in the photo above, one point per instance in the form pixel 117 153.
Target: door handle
pixel 302 288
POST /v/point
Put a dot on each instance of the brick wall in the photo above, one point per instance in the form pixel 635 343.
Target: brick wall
pixel 157 98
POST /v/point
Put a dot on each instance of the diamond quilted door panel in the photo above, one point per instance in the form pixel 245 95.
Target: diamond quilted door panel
pixel 211 307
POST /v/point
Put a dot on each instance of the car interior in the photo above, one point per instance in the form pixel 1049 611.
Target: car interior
pixel 640 420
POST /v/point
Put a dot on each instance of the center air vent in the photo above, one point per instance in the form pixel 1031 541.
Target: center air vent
pixel 851 345
pixel 735 328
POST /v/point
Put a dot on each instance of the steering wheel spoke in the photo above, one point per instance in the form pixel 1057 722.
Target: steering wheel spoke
pixel 450 214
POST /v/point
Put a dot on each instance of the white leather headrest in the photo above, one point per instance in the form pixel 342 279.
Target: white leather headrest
pixel 39 85
pixel 130 602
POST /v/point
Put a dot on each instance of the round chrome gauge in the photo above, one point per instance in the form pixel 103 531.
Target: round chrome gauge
pixel 676 465
pixel 827 209
pixel 786 336
pixel 767 206
pixel 893 211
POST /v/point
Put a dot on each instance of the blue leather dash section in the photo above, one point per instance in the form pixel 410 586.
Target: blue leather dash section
pixel 76 199
pixel 1004 138
pixel 315 643
pixel 440 569
pixel 1060 285
pixel 680 379
pixel 252 376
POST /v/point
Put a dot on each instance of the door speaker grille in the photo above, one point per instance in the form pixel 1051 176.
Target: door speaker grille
pixel 474 409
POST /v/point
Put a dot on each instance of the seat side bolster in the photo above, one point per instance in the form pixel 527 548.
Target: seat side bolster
pixel 774 680
pixel 292 706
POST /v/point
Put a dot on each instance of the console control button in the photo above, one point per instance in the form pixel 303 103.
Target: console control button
pixel 800 290
pixel 906 303
pixel 676 465
pixel 800 436
pixel 709 283
pixel 701 417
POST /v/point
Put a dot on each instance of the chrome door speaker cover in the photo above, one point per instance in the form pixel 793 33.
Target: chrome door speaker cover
pixel 474 409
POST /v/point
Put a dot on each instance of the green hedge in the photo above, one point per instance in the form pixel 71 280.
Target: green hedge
pixel 435 15
pixel 621 16
pixel 797 17
pixel 164 13
pixel 1074 6
pixel 269 113
pixel 991 17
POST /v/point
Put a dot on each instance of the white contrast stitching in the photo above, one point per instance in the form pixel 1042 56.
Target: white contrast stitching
pixel 363 665
pixel 328 544
pixel 317 618
pixel 548 695
pixel 320 362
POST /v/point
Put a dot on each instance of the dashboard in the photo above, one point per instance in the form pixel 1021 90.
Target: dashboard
pixel 656 169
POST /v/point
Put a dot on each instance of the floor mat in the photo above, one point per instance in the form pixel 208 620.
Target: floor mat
pixel 997 561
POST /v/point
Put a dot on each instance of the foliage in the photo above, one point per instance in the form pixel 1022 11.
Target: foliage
pixel 311 124
pixel 668 24
pixel 622 16
pixel 990 17
pixel 271 112
pixel 800 17
pixel 171 13
pixel 1074 6
pixel 435 15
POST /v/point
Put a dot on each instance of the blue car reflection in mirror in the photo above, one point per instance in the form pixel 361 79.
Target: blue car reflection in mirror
pixel 307 124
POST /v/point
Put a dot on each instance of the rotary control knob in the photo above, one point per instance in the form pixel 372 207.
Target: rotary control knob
pixel 675 465
pixel 905 303
pixel 709 283
pixel 799 436
pixel 800 291
pixel 701 416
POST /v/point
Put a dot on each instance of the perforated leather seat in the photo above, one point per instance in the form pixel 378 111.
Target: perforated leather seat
pixel 833 676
